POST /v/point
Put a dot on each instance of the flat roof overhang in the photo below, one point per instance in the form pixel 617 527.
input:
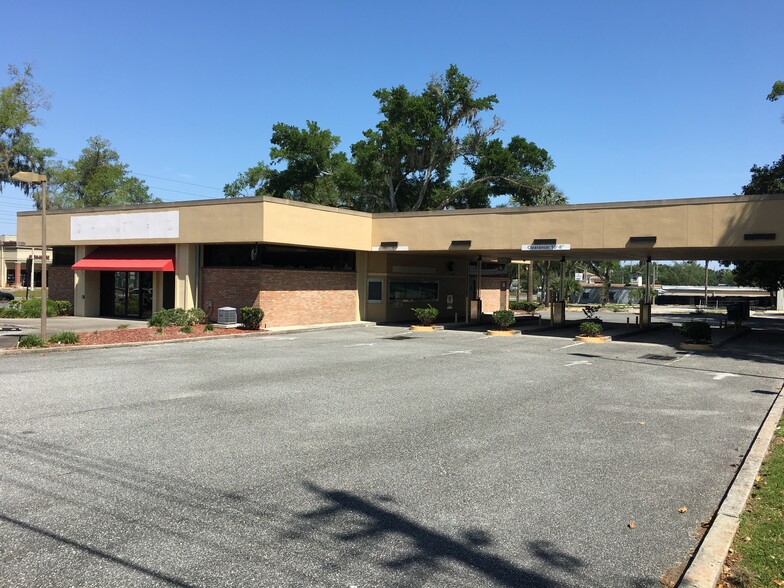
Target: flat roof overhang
pixel 729 227
pixel 129 259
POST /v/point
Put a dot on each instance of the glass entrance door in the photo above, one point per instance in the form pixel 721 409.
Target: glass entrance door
pixel 120 294
pixel 132 294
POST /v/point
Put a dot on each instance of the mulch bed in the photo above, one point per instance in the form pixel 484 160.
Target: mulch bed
pixel 146 334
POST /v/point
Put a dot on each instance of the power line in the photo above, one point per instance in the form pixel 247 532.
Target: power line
pixel 61 160
pixel 178 181
pixel 181 192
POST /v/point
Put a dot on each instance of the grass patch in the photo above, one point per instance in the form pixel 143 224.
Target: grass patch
pixel 760 539
pixel 122 326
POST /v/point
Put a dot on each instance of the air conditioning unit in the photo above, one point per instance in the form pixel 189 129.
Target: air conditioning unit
pixel 227 315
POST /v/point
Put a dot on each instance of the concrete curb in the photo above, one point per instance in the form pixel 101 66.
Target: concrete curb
pixel 707 565
pixel 266 333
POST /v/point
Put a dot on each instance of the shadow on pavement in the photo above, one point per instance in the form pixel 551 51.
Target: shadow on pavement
pixel 225 538
pixel 427 550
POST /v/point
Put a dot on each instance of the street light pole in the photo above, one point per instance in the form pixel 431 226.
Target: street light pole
pixel 40 179
pixel 44 309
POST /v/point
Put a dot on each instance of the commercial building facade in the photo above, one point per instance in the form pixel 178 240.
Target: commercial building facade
pixel 14 260
pixel 308 264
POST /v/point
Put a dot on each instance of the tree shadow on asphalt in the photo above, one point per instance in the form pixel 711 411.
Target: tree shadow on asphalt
pixel 241 530
pixel 350 518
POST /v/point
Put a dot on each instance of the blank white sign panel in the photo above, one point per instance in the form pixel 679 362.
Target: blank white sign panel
pixel 135 225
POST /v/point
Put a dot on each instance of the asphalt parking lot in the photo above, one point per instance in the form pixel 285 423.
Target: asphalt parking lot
pixel 369 456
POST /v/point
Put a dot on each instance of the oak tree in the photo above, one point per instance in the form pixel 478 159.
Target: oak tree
pixel 20 102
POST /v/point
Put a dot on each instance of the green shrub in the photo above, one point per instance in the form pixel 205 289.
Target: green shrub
pixel 64 338
pixel 61 307
pixel 696 332
pixel 31 341
pixel 159 330
pixel 197 316
pixel 590 329
pixel 32 308
pixel 171 317
pixel 524 305
pixel 209 327
pixel 427 315
pixel 251 317
pixel 187 329
pixel 504 318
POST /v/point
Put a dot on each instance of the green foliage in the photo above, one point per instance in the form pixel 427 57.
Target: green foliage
pixel 187 329
pixel 64 338
pixel 696 332
pixel 690 273
pixel 19 150
pixel 31 341
pixel 605 269
pixel 176 317
pixel 524 305
pixel 637 295
pixel 426 315
pixel 504 318
pixel 198 316
pixel 768 179
pixel 251 317
pixel 777 91
pixel 768 275
pixel 405 162
pixel 32 308
pixel 61 307
pixel 304 166
pixel 10 312
pixel 209 328
pixel 591 328
pixel 122 326
pixel 96 178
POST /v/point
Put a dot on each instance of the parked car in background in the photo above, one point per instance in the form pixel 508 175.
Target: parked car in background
pixel 6 296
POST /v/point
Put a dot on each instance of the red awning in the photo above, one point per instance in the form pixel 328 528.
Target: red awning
pixel 151 258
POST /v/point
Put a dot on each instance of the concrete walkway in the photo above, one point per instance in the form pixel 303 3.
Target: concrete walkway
pixel 58 324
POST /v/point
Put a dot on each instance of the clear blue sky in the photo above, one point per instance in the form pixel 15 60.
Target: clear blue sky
pixel 633 100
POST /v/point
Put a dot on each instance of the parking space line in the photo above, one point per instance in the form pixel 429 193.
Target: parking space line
pixel 567 346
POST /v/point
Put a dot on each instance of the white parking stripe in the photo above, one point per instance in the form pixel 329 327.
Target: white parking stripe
pixel 570 345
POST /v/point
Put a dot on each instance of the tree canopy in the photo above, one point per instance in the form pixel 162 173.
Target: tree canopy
pixel 19 150
pixel 777 91
pixel 407 161
pixel 691 273
pixel 96 178
pixel 766 179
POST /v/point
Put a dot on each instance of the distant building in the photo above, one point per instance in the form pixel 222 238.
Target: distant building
pixel 13 262
pixel 718 296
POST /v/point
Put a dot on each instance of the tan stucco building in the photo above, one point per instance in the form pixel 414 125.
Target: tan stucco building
pixel 14 256
pixel 305 264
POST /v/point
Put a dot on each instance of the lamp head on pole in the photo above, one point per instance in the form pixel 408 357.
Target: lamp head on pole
pixel 29 177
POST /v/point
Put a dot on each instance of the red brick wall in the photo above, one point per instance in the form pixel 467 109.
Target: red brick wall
pixel 493 297
pixel 287 297
pixel 60 282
